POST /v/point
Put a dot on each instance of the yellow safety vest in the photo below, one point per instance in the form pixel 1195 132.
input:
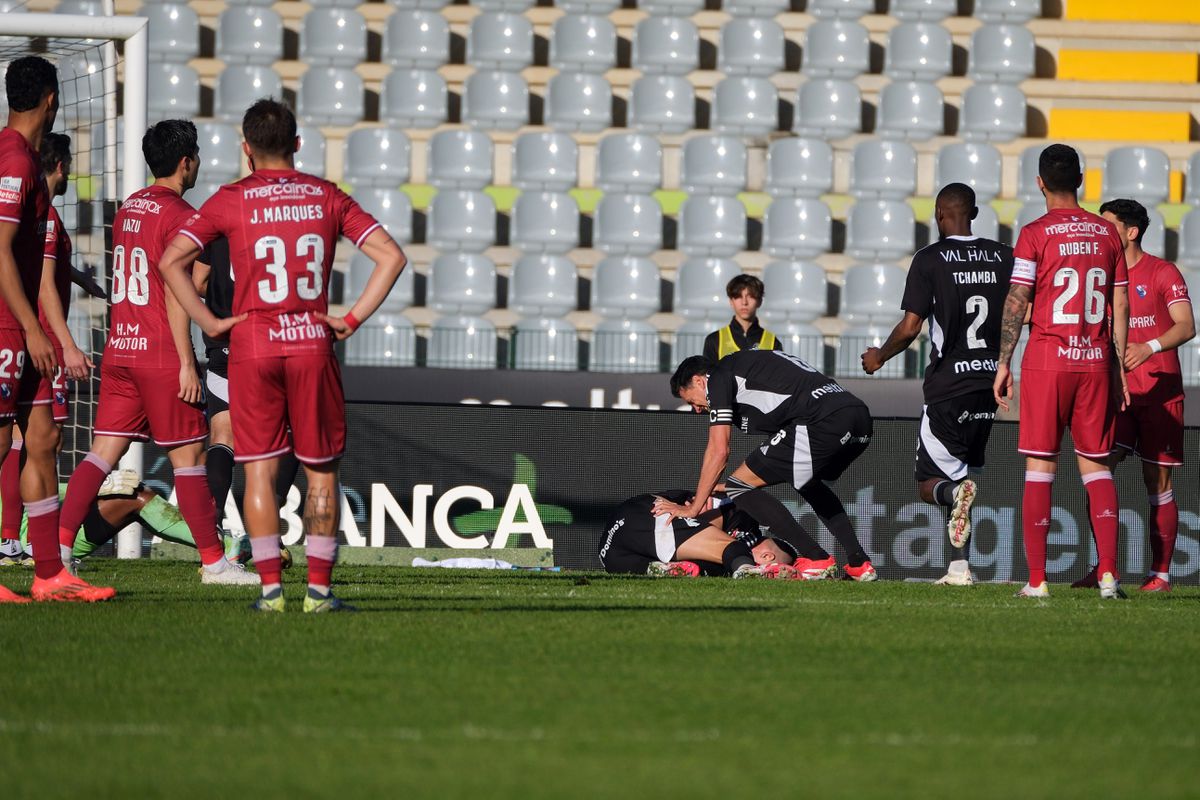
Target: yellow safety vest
pixel 726 344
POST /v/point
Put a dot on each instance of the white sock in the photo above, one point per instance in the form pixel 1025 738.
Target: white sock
pixel 321 590
pixel 218 566
pixel 959 566
pixel 65 553
pixel 269 589
pixel 1166 576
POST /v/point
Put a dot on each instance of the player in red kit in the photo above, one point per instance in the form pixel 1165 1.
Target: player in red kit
pixel 149 385
pixel 282 226
pixel 1070 264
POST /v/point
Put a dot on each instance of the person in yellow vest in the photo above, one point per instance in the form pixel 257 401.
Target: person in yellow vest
pixel 743 331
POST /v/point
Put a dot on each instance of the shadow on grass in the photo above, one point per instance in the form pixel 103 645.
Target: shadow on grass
pixel 563 608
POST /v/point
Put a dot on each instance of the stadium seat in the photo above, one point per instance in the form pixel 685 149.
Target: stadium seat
pixel 1155 239
pixel 198 194
pixel 416 38
pixel 840 9
pixel 331 96
pixel 797 227
pixel 624 345
pixel 1191 192
pixel 583 43
pixel 976 164
pixel 713 164
pixel 240 86
pixel 911 110
pixel 986 224
pixel 383 340
pixel 755 8
pixel 794 291
pixel 803 340
pixel 799 167
pixel 249 35
pixel 310 157
pixel 545 222
pixel 545 160
pixel 358 272
pixel 828 109
pixel 85 8
pixel 546 344
pixel 1139 173
pixel 414 98
pixel 857 338
pixel 333 36
pixel 745 106
pixel 1018 11
pixel 174 31
pixel 220 151
pixel 689 337
pixel 376 157
pixel 1189 242
pixel 671 8
pixel 498 100
pixel 462 283
pixel 81 81
pixel 1028 212
pixel 462 342
pixel 662 104
pixel 880 229
pixel 922 10
pixel 700 287
pixel 712 226
pixel 628 224
pixel 172 91
pixel 992 112
pixel 918 51
pixel 543 284
pixel 460 159
pixel 751 46
pixel 871 293
pixel 461 220
pixel 883 168
pixel 511 6
pixel 629 162
pixel 1027 173
pixel 391 208
pixel 579 101
pixel 625 287
pixel 596 7
pixel 1001 54
pixel 500 41
pixel 668 45
pixel 836 48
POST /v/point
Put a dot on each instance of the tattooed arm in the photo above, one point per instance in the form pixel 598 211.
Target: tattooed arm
pixel 1015 306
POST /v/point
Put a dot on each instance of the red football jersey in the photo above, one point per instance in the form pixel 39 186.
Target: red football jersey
pixel 139 333
pixel 58 249
pixel 1072 258
pixel 24 201
pixel 1154 286
pixel 282 227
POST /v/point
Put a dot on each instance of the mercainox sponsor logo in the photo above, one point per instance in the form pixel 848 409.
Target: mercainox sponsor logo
pixel 1092 228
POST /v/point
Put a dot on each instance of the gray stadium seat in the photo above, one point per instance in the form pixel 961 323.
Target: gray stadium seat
pixel 857 338
pixel 662 104
pixel 384 340
pixel 545 160
pixel 462 342
pixel 240 86
pixel 545 222
pixel 172 91
pixel 713 164
pixel 628 224
pixel 799 167
pixel 922 10
pixel 1019 11
pixel 797 227
pixel 579 101
pixel 460 159
pixel 976 164
pixel 794 291
pixel 670 45
pixel 310 157
pixel 331 96
pixel 333 36
pixel 511 6
pixel 745 106
pixel 462 283
pixel 883 168
pixel 751 46
pixel 911 110
pixel 198 194
pixel 986 224
pixel 700 287
pixel 391 208
pixel 416 38
pixel 1001 53
pixel 625 287
pixel 1028 212
pixel 689 337
pixel 461 220
pixel 1189 242
pixel 497 100
pixel 1027 174
pixel 840 9
pixel 500 41
pixel 828 109
pixel 85 8
pixel 220 151
pixel 918 51
pixel 1191 191
pixel 836 48
pixel 81 82
pixel 546 344
pixel 598 7
pixel 414 98
pixel 376 157
pixel 583 43
pixel 802 339
pixel 174 31
pixel 880 229
pixel 1155 240
pixel 755 8
pixel 358 272
pixel 872 292
pixel 1140 173
pixel 629 162
pixel 543 284
pixel 624 345
pixel 671 8
pixel 712 226
pixel 992 112
pixel 249 35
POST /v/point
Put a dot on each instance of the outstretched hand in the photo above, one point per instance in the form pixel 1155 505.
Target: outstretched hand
pixel 223 326
pixel 1002 387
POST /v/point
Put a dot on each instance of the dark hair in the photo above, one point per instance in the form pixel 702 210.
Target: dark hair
pixel 1131 213
pixel 743 282
pixel 1059 168
pixel 689 368
pixel 270 128
pixel 28 81
pixel 957 194
pixel 55 150
pixel 166 143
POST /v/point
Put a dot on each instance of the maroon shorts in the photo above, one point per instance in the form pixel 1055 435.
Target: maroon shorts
pixel 38 391
pixel 1051 402
pixel 12 367
pixel 143 402
pixel 268 397
pixel 1153 433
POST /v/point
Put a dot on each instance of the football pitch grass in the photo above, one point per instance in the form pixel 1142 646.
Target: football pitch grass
pixel 485 684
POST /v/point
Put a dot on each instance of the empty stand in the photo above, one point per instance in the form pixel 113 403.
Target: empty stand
pixel 462 342
pixel 174 31
pixel 172 90
pixel 799 166
pixel 496 100
pixel 583 43
pixel 976 164
pixel 922 10
pixel 545 160
pixel 713 164
pixel 358 272
pixel 920 51
pixel 746 106
pixel 310 157
pixel 883 168
pixel 712 226
pixel 797 227
pixel 911 110
pixel 871 293
pixel 461 220
pixel 220 151
pixel 836 48
pixel 391 207
pixel 794 291
pixel 751 46
pixel 416 38
pixel 992 112
pixel 662 104
pixel 828 108
pixel 240 86
pixel 880 229
pixel 579 101
pixel 383 340
pixel 460 159
pixel 331 96
pixel 624 345
pixel 546 344
pixel 377 157
pixel 700 287
pixel 1140 173
pixel 668 45
pixel 249 35
pixel 1001 53
pixel 542 284
pixel 545 222
pixel 414 98
pixel 629 162
pixel 625 287
pixel 1019 11
pixel 840 9
pixel 500 41
pixel 462 283
pixel 333 36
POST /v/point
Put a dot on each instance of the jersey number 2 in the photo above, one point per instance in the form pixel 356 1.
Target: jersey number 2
pixel 976 303
pixel 273 250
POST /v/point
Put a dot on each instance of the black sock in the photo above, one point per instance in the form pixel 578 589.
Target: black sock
pixel 288 467
pixel 219 463
pixel 96 529
pixel 736 555
pixel 770 513
pixel 943 493
pixel 830 510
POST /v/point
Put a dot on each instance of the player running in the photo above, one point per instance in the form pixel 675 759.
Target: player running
pixel 282 227
pixel 958 285
pixel 1070 264
pixel 815 430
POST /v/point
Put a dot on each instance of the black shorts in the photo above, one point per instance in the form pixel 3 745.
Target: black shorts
pixel 632 541
pixel 954 436
pixel 216 380
pixel 798 454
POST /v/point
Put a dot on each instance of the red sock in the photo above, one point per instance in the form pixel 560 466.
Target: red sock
pixel 43 535
pixel 199 511
pixel 321 552
pixel 10 494
pixel 265 550
pixel 81 493
pixel 1102 506
pixel 1035 522
pixel 1164 529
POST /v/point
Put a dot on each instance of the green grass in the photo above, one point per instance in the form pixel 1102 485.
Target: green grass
pixel 491 685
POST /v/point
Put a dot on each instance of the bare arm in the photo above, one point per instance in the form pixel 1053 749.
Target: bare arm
pixel 41 352
pixel 200 276
pixel 76 364
pixel 716 456
pixel 1182 331
pixel 181 335
pixel 1016 304
pixel 180 254
pixel 389 263
pixel 903 335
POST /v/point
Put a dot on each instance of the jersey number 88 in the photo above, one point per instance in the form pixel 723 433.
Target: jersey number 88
pixel 133 285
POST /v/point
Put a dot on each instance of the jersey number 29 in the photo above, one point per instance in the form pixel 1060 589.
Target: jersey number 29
pixel 274 251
